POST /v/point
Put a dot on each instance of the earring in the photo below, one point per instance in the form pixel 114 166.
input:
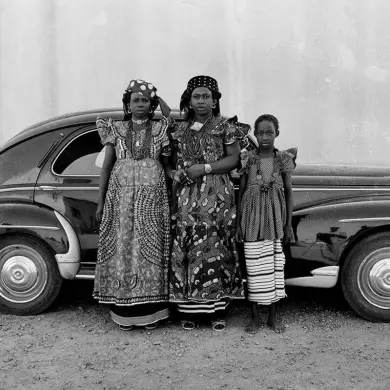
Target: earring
pixel 190 106
pixel 214 105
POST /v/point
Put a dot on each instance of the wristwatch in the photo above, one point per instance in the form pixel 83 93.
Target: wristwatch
pixel 207 168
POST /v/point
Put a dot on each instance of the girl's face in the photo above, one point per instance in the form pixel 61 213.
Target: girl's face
pixel 139 106
pixel 202 101
pixel 265 134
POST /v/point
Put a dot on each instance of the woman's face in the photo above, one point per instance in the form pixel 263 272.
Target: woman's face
pixel 202 101
pixel 139 106
pixel 265 134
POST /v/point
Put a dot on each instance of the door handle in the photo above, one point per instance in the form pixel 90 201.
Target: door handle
pixel 47 188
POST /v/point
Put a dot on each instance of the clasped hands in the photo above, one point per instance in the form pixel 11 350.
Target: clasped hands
pixel 189 174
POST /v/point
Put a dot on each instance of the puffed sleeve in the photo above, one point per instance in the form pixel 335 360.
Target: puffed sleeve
pixel 106 131
pixel 166 149
pixel 236 131
pixel 287 159
pixel 160 131
pixel 246 161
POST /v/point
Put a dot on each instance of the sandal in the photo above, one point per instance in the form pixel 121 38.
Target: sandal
pixel 188 325
pixel 151 326
pixel 126 328
pixel 219 325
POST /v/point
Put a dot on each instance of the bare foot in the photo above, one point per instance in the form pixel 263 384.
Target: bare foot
pixel 275 325
pixel 253 326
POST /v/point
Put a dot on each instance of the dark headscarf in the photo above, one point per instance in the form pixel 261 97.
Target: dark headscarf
pixel 196 82
pixel 140 87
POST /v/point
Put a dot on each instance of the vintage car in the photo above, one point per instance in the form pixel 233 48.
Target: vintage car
pixel 49 179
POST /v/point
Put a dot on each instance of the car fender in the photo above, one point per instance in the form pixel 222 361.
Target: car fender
pixel 324 235
pixel 45 225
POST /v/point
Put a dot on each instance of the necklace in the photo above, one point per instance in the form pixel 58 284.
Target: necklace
pixel 139 121
pixel 140 142
pixel 195 141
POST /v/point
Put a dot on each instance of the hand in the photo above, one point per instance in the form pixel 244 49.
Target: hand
pixel 195 171
pixel 99 213
pixel 179 176
pixel 287 235
pixel 239 234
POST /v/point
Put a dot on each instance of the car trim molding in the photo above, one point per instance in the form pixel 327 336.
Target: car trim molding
pixel 372 219
pixel 17 189
pixel 69 262
pixel 323 277
pixel 29 227
pixel 60 188
pixel 352 188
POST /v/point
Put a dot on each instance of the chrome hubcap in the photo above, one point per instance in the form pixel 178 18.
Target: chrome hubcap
pixel 374 278
pixel 23 274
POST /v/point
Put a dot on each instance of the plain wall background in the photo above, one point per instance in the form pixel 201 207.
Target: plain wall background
pixel 322 67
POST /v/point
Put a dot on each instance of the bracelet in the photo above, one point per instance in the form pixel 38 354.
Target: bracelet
pixel 173 173
pixel 207 168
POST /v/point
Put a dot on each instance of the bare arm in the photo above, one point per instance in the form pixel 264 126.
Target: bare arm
pixel 108 164
pixel 164 107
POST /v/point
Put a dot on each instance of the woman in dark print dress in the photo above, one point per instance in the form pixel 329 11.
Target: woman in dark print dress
pixel 134 239
pixel 204 270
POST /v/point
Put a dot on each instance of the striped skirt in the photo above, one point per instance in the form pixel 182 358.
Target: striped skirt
pixel 265 271
pixel 203 307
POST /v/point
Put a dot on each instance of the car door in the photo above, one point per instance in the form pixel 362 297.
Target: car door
pixel 69 183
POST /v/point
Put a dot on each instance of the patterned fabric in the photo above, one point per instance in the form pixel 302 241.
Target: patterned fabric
pixel 203 307
pixel 204 258
pixel 265 271
pixel 142 87
pixel 202 81
pixel 139 315
pixel 134 239
pixel 263 205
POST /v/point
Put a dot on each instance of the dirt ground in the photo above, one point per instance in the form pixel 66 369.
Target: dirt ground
pixel 76 346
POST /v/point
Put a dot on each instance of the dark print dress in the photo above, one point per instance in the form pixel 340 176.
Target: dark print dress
pixel 263 216
pixel 134 237
pixel 204 270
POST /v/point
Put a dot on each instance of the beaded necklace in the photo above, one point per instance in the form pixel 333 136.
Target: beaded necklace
pixel 140 142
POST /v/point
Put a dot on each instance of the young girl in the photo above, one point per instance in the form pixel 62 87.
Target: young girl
pixel 264 219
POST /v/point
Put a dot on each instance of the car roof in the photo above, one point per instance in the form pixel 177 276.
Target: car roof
pixel 71 119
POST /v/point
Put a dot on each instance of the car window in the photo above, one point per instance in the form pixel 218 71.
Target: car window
pixel 80 156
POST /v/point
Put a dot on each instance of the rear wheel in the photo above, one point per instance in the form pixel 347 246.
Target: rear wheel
pixel 29 276
pixel 365 278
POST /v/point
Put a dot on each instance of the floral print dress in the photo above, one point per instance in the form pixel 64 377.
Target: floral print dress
pixel 134 238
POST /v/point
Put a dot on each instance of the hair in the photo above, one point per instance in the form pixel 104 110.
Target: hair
pixel 267 118
pixel 189 112
pixel 126 100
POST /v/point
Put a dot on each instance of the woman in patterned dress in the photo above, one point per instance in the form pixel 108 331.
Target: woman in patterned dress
pixel 204 270
pixel 134 238
pixel 264 219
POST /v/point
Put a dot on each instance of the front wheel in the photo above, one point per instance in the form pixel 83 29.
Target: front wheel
pixel 29 276
pixel 365 278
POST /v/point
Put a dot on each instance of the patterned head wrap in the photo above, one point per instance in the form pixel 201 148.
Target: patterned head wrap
pixel 196 82
pixel 143 88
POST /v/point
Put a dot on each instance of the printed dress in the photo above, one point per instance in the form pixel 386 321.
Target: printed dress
pixel 263 216
pixel 204 270
pixel 134 238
